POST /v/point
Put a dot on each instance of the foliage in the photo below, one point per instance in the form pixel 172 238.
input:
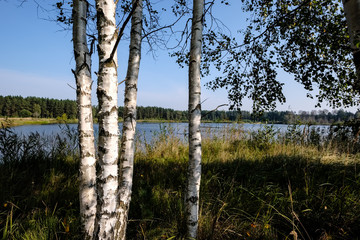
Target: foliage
pixel 25 113
pixel 36 110
pixel 305 38
pixel 346 136
pixel 264 137
pixel 14 106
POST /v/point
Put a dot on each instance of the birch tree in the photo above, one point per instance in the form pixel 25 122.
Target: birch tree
pixel 82 73
pixel 194 168
pixel 107 177
pixel 127 150
pixel 113 202
pixel 352 14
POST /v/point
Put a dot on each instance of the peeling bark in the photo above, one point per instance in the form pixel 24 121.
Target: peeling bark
pixel 129 125
pixel 194 168
pixel 352 14
pixel 87 177
pixel 107 177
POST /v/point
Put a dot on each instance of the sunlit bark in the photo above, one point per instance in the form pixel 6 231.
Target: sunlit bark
pixel 87 178
pixel 107 179
pixel 129 125
pixel 194 169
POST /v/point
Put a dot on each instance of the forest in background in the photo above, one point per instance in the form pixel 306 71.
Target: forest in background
pixel 17 106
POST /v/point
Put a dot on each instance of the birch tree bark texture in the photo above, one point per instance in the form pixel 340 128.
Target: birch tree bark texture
pixel 194 168
pixel 107 176
pixel 352 14
pixel 127 150
pixel 87 177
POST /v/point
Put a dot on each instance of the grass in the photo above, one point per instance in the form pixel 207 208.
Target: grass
pixel 12 122
pixel 254 186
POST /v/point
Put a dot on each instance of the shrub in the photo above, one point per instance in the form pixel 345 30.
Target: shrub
pixel 25 113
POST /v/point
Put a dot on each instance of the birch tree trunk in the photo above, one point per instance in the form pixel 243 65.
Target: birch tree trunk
pixel 108 121
pixel 87 178
pixel 129 125
pixel 194 169
pixel 352 14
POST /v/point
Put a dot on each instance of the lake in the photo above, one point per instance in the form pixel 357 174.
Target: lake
pixel 146 131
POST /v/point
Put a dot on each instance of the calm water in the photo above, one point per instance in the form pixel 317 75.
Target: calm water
pixel 146 131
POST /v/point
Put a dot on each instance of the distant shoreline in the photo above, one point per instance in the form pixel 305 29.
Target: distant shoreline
pixel 17 121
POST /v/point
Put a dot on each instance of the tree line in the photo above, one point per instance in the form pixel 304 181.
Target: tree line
pixel 17 106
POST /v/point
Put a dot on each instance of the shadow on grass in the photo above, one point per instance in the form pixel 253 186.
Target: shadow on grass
pixel 272 198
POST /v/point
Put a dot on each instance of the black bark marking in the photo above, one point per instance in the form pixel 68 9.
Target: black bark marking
pixel 193 223
pixel 198 107
pixel 192 199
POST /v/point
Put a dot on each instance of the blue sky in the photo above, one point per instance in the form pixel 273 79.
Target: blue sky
pixel 36 58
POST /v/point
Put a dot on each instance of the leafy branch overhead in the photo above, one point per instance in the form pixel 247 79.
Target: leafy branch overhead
pixel 306 38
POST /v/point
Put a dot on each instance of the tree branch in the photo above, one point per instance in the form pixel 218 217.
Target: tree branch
pixel 121 32
pixel 214 110
pixel 71 87
pixel 161 28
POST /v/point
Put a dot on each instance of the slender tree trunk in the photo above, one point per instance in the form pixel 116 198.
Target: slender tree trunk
pixel 87 179
pixel 108 121
pixel 352 14
pixel 129 125
pixel 194 170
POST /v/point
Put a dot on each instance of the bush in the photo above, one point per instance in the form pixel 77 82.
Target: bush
pixel 25 113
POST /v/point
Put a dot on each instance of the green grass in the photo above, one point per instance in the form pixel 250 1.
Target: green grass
pixel 12 122
pixel 254 186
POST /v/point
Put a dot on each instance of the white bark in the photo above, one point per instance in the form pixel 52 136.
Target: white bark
pixel 352 14
pixel 108 121
pixel 194 169
pixel 87 178
pixel 129 125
